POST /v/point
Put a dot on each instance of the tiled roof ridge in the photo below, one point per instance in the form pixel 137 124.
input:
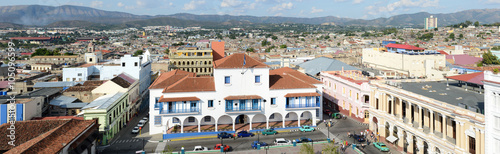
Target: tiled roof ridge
pixel 186 81
pixel 176 83
pixel 34 141
pixel 285 73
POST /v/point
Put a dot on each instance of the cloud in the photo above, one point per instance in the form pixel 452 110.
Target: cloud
pixel 402 5
pixel 493 1
pixel 95 4
pixel 120 4
pixel 230 3
pixel 357 1
pixel 282 6
pixel 193 5
pixel 314 10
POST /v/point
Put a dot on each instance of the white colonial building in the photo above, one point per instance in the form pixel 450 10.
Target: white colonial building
pixel 492 111
pixel 242 94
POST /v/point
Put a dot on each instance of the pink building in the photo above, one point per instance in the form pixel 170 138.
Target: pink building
pixel 347 92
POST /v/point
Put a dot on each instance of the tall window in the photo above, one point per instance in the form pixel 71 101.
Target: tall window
pixel 257 79
pixel 157 105
pixel 273 101
pixel 157 120
pixel 210 103
pixel 191 119
pixel 497 122
pixel 227 79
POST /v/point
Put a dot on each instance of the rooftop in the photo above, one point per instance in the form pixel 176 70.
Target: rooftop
pixel 287 78
pixel 317 65
pixel 238 60
pixel 105 101
pixel 45 136
pixel 452 94
pixel 403 46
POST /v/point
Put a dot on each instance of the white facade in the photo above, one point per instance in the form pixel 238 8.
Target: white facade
pixel 242 83
pixel 492 112
pixel 137 67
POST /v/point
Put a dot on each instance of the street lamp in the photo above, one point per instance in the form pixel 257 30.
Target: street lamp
pixel 266 148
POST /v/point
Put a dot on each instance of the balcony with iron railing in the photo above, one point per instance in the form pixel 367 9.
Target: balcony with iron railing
pixel 256 108
pixel 195 110
pixel 303 106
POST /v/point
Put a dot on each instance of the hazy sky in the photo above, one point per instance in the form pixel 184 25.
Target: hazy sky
pixel 360 9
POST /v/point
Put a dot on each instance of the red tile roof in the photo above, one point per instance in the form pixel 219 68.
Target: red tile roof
pixel 403 46
pixel 236 61
pixel 192 84
pixel 287 78
pixel 471 78
pixel 45 136
pixel 169 78
pixel 442 52
pixel 243 97
pixel 176 99
pixel 301 94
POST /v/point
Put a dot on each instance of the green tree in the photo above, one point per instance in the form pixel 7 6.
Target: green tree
pixel 476 23
pixel 303 40
pixel 330 148
pixel 460 36
pixel 274 37
pixel 232 36
pixel 265 43
pixel 138 52
pixel 306 148
pixel 452 36
pixel 283 46
pixel 219 36
pixel 167 51
pixel 327 37
pixel 250 50
pixel 490 59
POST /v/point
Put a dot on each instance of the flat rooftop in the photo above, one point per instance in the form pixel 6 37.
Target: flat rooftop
pixel 452 94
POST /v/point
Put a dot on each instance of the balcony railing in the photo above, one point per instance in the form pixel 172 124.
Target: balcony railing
pixel 189 110
pixel 234 109
pixel 303 105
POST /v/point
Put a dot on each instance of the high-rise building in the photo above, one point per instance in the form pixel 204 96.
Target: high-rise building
pixel 492 114
pixel 431 23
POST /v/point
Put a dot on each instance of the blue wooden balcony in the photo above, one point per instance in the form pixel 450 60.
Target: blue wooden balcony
pixel 177 111
pixel 299 106
pixel 257 108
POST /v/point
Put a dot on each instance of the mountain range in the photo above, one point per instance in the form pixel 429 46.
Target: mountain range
pixel 80 16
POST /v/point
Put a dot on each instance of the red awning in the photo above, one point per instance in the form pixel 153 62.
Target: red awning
pixel 301 94
pixel 177 99
pixel 242 97
pixel 475 78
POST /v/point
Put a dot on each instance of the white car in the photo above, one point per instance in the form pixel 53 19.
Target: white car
pixel 282 141
pixel 145 119
pixel 135 130
pixel 200 148
pixel 141 123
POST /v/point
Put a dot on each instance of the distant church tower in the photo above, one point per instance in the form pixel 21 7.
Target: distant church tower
pixel 91 47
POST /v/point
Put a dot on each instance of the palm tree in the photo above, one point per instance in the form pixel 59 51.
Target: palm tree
pixel 306 149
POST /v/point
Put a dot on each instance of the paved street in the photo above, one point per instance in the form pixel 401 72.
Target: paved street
pixel 125 142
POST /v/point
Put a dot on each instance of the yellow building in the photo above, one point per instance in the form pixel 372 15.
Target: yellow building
pixel 427 116
pixel 192 59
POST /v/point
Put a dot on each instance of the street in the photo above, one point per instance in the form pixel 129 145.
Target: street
pixel 125 142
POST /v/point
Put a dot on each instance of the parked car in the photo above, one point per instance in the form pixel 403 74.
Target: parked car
pixel 226 147
pixel 224 135
pixel 303 139
pixel 269 132
pixel 282 141
pixel 141 123
pixel 245 134
pixel 200 148
pixel 145 119
pixel 254 144
pixel 306 129
pixel 327 112
pixel 135 130
pixel 381 146
pixel 358 138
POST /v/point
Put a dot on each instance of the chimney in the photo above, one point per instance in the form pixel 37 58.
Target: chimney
pixel 217 50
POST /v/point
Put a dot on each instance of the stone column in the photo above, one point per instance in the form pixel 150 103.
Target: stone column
pixel 400 137
pixel 408 112
pixel 409 138
pixel 478 140
pixel 445 127
pixel 431 122
pixel 216 129
pixel 393 111
pixel 233 126
pixel 419 117
pixel 199 126
pixel 460 135
pixel 420 145
pixel 250 119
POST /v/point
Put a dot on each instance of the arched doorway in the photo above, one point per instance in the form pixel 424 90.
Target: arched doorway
pixel 224 123
pixel 426 148
pixel 306 118
pixel 291 119
pixel 367 115
pixel 207 123
pixel 437 151
pixel 190 124
pixel 242 122
pixel 275 120
pixel 259 121
pixel 375 125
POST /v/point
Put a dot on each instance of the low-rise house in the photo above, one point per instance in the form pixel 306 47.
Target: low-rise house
pixel 65 106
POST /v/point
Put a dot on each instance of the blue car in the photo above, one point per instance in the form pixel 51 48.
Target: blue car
pixel 303 139
pixel 254 144
pixel 359 138
pixel 224 135
pixel 245 134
